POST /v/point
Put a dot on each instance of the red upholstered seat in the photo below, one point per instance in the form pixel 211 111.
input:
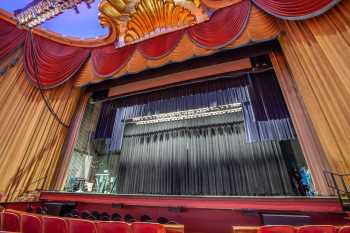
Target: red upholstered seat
pixel 276 229
pixel 113 227
pixel 54 225
pixel 11 222
pixel 31 224
pixel 344 229
pixel 9 232
pixel 317 229
pixel 81 226
pixel 140 227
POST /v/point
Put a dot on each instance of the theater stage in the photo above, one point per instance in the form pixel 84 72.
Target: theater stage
pixel 202 214
pixel 243 203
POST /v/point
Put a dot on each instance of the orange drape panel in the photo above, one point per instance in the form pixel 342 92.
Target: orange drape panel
pixel 318 51
pixel 31 139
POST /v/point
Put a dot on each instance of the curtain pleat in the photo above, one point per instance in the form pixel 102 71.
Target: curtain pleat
pixel 295 9
pixel 31 139
pixel 10 38
pixel 56 63
pixel 317 52
pixel 200 157
pixel 223 27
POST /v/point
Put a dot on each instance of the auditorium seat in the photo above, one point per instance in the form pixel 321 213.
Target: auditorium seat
pixel 81 226
pixel 11 222
pixel 317 229
pixel 54 225
pixel 276 229
pixel 112 227
pixel 140 227
pixel 344 229
pixel 31 224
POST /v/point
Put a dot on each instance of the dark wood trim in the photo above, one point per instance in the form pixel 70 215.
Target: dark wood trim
pixel 180 77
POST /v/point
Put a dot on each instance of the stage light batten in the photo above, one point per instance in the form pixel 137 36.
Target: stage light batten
pixel 188 114
pixel 37 12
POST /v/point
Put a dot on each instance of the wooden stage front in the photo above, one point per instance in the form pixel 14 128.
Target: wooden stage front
pixel 204 214
pixel 283 204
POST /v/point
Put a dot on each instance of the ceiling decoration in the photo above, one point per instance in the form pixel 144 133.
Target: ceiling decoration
pixel 39 11
pixel 138 20
pixel 229 27
pixel 155 16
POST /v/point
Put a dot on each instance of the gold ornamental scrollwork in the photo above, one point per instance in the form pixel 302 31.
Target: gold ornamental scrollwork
pixel 154 16
pixel 130 21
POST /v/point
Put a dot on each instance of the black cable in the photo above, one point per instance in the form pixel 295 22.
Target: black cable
pixel 36 72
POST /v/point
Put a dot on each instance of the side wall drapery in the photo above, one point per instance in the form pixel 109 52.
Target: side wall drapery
pixel 317 52
pixel 31 139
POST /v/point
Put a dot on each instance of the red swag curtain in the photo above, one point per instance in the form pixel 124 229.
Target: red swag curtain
pixel 10 38
pixel 295 9
pixel 160 46
pixel 56 62
pixel 107 60
pixel 223 27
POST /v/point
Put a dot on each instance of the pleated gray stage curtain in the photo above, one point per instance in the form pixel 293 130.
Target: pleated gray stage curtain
pixel 205 156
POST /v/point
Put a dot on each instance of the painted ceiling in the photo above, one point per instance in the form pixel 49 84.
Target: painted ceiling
pixel 86 23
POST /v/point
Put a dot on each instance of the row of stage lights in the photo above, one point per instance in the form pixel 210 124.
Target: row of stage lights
pixel 189 114
pixel 39 11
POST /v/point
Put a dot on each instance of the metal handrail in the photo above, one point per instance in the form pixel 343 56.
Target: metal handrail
pixel 340 191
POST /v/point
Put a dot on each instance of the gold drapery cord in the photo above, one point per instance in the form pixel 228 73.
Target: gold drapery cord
pixel 31 140
pixel 318 51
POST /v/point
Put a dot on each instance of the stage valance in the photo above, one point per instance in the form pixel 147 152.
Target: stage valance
pixel 295 9
pixel 224 26
pixel 236 24
pixel 56 63
pixel 10 38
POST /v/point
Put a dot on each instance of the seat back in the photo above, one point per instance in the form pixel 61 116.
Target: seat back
pixel 140 227
pixel 317 229
pixel 344 229
pixel 11 222
pixel 31 224
pixel 113 227
pixel 276 229
pixel 54 225
pixel 81 226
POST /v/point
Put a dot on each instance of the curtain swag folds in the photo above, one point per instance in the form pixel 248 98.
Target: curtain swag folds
pixel 56 63
pixel 295 9
pixel 224 26
pixel 10 38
